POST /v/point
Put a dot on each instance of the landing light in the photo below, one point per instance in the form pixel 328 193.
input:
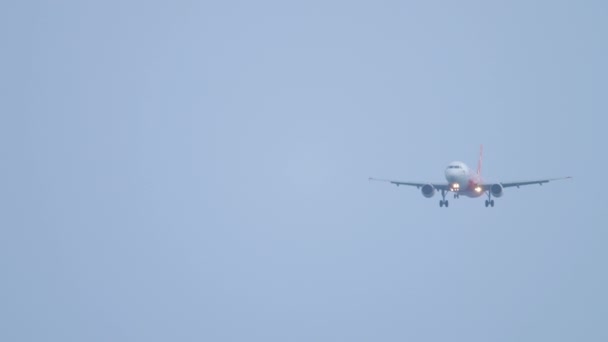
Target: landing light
pixel 478 189
pixel 456 186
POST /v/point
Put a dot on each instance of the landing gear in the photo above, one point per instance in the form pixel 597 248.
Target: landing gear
pixel 443 201
pixel 489 201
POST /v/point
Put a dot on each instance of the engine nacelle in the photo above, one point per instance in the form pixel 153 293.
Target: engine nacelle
pixel 428 191
pixel 496 190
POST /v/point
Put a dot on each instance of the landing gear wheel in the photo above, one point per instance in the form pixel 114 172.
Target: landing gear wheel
pixel 443 201
pixel 487 203
pixel 492 203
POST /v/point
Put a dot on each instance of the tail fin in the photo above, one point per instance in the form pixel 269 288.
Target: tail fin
pixel 480 160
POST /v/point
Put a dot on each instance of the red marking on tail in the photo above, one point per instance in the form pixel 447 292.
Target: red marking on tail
pixel 480 161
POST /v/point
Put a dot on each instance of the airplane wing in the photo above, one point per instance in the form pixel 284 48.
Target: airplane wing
pixel 522 183
pixel 438 186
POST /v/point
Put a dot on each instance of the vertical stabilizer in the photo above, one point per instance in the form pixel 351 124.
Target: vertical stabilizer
pixel 479 163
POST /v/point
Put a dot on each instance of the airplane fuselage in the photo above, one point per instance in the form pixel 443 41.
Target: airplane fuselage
pixel 462 181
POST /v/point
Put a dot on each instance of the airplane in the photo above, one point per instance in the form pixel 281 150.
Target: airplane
pixel 462 181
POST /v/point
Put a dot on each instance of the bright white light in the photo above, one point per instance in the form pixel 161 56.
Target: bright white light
pixel 478 189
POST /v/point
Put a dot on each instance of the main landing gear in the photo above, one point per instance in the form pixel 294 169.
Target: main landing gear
pixel 489 201
pixel 443 201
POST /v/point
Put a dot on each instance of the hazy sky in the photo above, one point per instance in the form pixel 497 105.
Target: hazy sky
pixel 197 171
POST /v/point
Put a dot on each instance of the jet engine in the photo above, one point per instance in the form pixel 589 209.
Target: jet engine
pixel 496 190
pixel 428 190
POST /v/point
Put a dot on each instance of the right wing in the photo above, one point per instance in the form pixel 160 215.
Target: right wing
pixel 438 186
pixel 529 182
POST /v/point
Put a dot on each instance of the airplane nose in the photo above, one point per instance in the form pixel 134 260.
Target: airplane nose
pixel 452 174
pixel 449 173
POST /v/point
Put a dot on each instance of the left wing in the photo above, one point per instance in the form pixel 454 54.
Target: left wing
pixel 522 183
pixel 438 186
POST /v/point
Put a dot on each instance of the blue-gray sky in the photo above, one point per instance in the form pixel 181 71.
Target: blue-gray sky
pixel 197 171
